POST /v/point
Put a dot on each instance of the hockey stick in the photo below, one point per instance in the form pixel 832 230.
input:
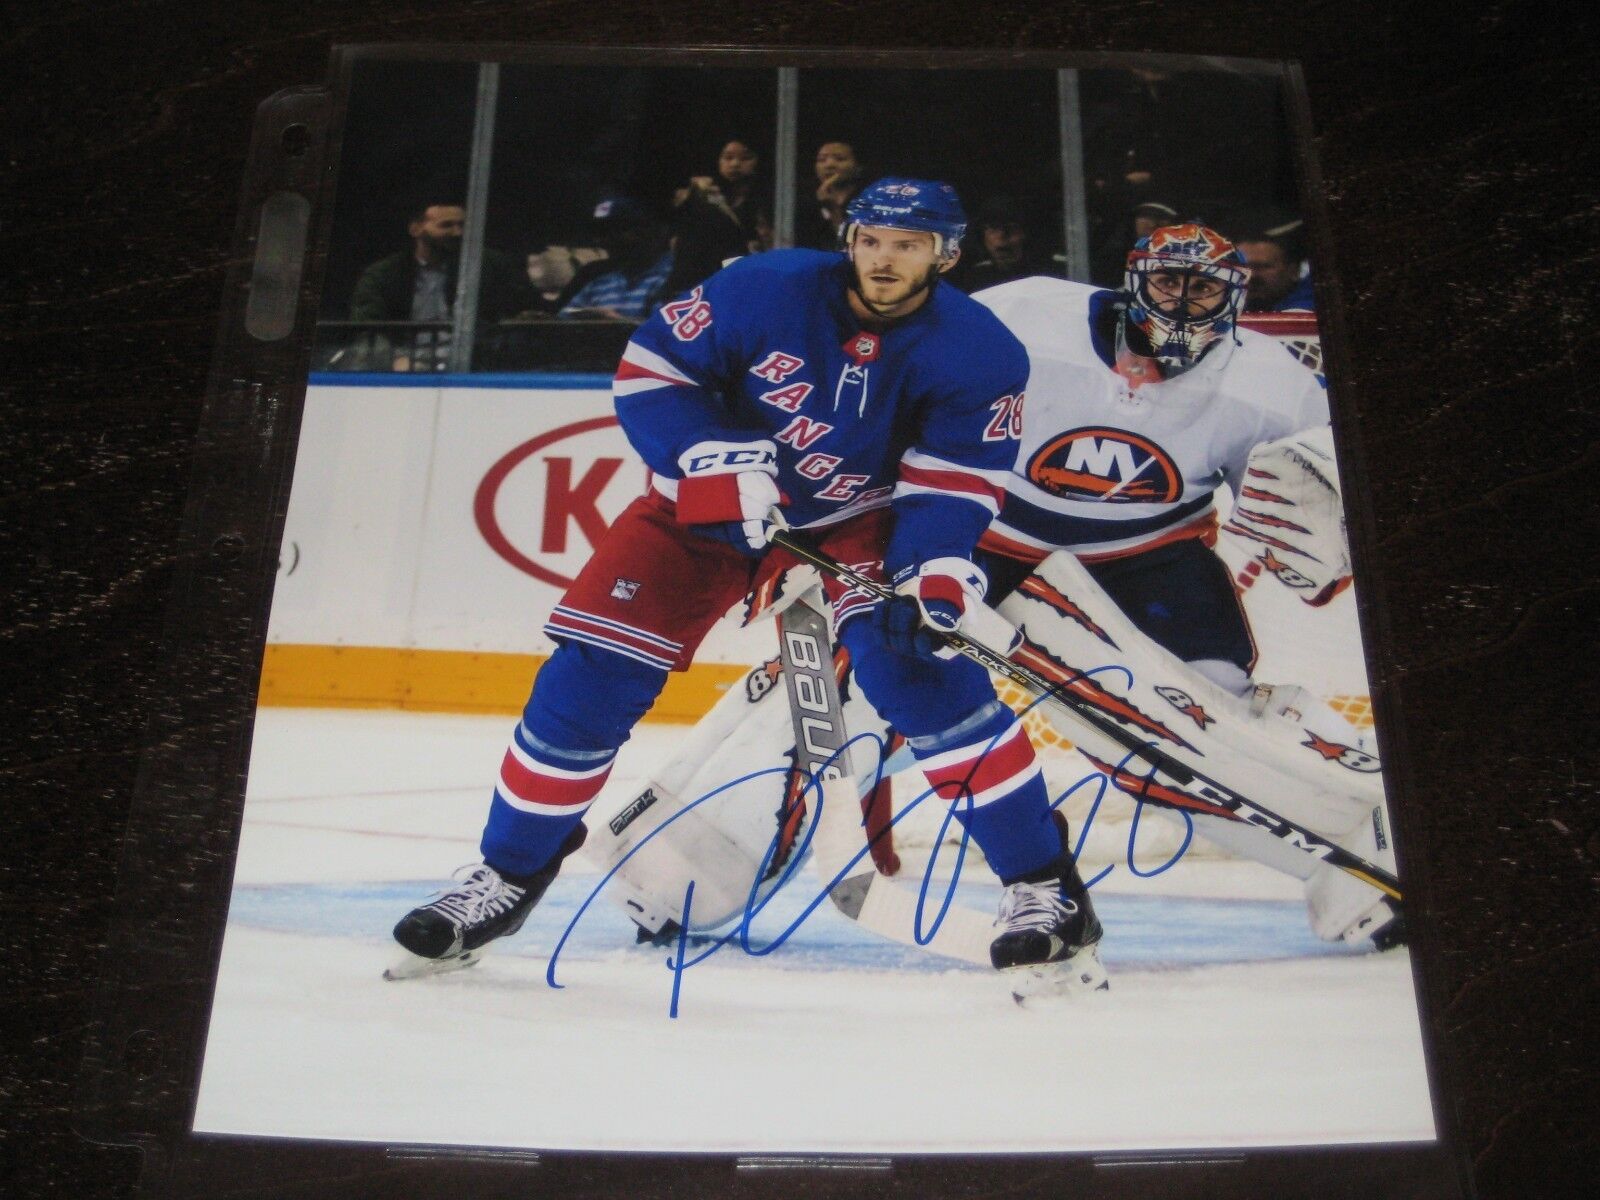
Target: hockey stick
pixel 1212 793
pixel 822 753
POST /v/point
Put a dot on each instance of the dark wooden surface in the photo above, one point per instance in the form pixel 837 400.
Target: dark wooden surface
pixel 1457 146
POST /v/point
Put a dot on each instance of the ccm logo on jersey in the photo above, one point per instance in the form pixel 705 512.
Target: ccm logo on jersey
pixel 732 459
pixel 1108 465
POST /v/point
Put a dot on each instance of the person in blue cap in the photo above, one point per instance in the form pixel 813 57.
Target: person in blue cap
pixel 632 278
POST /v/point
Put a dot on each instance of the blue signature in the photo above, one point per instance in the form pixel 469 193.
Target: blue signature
pixel 923 930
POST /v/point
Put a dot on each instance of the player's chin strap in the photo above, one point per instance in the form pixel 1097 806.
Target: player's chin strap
pixel 1167 771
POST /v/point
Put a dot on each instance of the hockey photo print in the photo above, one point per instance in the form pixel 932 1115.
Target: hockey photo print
pixel 815 615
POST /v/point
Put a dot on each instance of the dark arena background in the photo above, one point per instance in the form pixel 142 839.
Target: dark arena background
pixel 1456 150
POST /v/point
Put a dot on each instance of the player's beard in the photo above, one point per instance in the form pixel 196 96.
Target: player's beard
pixel 880 308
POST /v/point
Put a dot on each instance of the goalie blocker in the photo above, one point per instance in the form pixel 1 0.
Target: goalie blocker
pixel 1281 742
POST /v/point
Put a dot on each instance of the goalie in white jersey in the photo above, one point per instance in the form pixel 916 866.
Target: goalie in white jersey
pixel 1140 406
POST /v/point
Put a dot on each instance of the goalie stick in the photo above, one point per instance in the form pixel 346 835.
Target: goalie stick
pixel 839 845
pixel 1214 794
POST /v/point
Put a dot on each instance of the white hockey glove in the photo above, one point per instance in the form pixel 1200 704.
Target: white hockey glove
pixel 1290 509
pixel 727 490
pixel 943 595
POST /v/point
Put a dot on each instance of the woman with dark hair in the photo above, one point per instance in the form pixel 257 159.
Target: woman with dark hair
pixel 720 217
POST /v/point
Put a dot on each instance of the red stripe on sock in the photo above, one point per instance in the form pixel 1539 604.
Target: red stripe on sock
pixel 1009 762
pixel 535 787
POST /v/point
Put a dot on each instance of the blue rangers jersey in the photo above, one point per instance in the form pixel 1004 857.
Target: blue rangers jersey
pixel 924 413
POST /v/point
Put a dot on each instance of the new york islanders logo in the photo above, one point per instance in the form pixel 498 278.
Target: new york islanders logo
pixel 1111 466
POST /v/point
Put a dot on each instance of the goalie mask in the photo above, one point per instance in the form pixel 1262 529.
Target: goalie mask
pixel 1185 286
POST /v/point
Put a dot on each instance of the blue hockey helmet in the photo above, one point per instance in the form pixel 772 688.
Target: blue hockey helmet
pixel 1185 286
pixel 923 205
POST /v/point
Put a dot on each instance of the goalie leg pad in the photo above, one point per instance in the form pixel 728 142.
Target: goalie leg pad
pixel 659 842
pixel 735 755
pixel 1073 629
pixel 1342 907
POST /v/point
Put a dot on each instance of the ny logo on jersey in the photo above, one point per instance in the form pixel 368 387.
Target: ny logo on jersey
pixel 624 589
pixel 1106 465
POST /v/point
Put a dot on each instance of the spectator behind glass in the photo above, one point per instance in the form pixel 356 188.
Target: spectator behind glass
pixel 632 279
pixel 1280 279
pixel 720 217
pixel 1007 247
pixel 840 175
pixel 420 284
pixel 1110 256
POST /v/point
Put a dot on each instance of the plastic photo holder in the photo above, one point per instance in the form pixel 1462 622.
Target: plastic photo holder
pixel 410 448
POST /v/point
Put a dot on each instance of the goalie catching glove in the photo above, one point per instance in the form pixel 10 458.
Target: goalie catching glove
pixel 942 596
pixel 727 490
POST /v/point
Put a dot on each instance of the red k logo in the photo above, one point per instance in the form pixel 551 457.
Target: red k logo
pixel 545 505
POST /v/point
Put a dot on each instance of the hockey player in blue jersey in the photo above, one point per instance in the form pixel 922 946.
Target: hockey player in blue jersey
pixel 878 410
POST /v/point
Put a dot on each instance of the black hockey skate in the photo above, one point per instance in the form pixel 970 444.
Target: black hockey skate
pixel 1049 941
pixel 454 929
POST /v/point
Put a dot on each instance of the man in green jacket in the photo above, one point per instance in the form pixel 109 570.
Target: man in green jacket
pixel 420 284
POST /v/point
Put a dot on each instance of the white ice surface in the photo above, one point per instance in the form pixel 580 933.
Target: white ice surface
pixel 1226 1025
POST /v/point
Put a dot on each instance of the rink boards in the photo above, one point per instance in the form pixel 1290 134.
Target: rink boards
pixel 431 528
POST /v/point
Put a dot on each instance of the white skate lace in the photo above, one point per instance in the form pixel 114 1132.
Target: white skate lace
pixel 1033 906
pixel 481 895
